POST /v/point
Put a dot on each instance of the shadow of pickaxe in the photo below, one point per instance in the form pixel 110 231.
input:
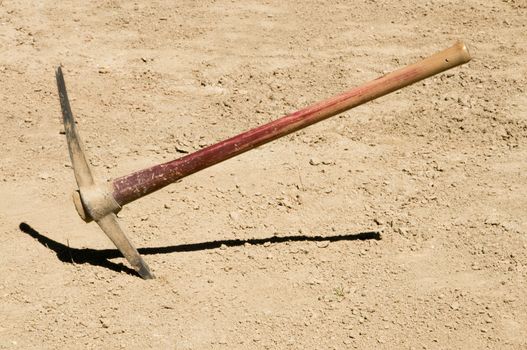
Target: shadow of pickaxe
pixel 100 257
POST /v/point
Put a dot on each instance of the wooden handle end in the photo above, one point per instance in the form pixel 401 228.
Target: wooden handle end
pixel 463 52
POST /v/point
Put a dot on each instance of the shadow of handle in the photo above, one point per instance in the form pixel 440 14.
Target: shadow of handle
pixel 100 257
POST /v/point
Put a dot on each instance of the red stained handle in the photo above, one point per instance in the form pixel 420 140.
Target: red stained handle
pixel 136 185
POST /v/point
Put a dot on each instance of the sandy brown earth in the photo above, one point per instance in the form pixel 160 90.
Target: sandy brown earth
pixel 399 224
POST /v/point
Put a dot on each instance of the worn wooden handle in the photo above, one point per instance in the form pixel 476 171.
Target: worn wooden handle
pixel 449 58
pixel 134 186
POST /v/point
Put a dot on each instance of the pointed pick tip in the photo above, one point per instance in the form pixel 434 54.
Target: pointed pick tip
pixel 145 272
pixel 58 71
pixel 111 228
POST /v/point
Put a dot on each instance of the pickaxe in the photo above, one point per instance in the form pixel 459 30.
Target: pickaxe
pixel 101 201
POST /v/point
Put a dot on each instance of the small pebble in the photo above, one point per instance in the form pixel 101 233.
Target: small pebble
pixel 234 215
pixel 323 244
pixel 314 161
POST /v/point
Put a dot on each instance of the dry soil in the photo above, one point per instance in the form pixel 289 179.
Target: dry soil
pixel 399 224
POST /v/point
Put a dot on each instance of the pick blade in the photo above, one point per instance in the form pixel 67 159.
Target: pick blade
pixel 111 227
pixel 81 168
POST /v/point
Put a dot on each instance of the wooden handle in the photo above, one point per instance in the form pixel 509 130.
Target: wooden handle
pixel 449 58
pixel 134 186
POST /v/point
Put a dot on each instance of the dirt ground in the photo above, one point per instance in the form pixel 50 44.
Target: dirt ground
pixel 399 224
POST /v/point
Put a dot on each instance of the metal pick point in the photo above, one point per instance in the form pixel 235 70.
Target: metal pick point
pixel 91 199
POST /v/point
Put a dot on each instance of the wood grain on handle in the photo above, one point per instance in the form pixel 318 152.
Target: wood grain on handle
pixel 136 185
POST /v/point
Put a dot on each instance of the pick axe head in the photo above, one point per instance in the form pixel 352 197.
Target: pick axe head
pixel 93 200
